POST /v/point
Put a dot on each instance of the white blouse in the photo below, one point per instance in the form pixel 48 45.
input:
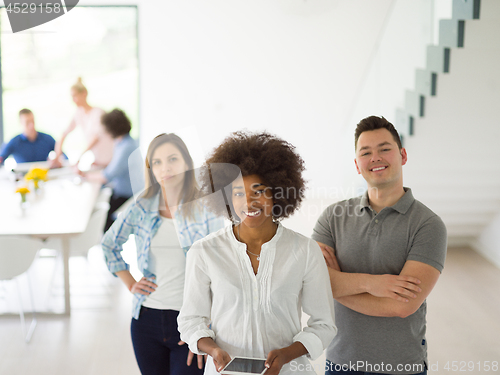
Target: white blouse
pixel 250 315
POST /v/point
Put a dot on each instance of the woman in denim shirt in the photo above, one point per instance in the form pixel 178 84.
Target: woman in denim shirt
pixel 166 220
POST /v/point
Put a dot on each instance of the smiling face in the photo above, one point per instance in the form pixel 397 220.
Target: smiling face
pixel 168 166
pixel 252 201
pixel 379 159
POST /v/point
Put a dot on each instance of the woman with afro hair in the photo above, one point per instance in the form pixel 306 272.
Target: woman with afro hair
pixel 247 283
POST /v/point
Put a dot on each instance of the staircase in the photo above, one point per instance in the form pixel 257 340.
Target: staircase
pixel 451 122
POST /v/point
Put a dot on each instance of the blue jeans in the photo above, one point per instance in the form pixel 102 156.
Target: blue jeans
pixel 333 369
pixel 155 337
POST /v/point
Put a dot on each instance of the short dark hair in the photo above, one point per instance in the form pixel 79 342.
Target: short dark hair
pixel 25 111
pixel 274 160
pixel 374 123
pixel 116 123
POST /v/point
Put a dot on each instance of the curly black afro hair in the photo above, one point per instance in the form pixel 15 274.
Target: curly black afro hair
pixel 274 160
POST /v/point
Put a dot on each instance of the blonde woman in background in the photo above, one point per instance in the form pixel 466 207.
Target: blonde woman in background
pixel 89 119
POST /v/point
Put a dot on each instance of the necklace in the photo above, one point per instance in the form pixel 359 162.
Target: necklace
pixel 239 239
pixel 256 255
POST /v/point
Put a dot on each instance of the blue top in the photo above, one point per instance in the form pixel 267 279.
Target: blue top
pixel 117 171
pixel 25 151
pixel 143 220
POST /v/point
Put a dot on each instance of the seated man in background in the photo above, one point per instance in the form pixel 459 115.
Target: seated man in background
pixel 30 145
pixel 116 174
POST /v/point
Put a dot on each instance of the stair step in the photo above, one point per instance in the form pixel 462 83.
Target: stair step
pixel 451 33
pixel 466 9
pixel 414 103
pixel 402 123
pixel 438 59
pixel 425 82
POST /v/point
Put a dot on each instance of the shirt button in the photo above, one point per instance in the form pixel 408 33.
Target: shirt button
pixel 376 220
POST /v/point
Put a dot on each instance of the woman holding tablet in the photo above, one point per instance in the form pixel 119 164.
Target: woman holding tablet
pixel 166 220
pixel 246 284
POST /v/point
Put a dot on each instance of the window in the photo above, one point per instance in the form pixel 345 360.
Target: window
pixel 39 65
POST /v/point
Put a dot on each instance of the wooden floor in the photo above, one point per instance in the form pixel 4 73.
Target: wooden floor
pixel 463 319
pixel 463 323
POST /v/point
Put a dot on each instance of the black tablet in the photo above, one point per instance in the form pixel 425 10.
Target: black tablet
pixel 245 366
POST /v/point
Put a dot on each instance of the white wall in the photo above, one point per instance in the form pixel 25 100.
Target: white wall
pixel 488 242
pixel 305 70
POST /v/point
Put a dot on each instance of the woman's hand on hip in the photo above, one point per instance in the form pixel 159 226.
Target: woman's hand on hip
pixel 143 286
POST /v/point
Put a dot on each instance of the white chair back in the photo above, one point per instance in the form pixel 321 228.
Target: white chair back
pixel 80 245
pixel 16 255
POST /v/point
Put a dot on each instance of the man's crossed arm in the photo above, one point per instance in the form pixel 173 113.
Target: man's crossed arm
pixel 381 295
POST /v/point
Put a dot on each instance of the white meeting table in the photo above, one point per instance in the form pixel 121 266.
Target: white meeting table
pixel 61 209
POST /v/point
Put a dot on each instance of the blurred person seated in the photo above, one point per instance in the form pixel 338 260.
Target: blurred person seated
pixel 117 173
pixel 30 145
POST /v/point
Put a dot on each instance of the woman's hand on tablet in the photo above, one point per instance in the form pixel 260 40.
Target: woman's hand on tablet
pixel 221 358
pixel 278 357
pixel 275 361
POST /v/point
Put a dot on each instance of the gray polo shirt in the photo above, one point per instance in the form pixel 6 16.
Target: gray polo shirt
pixel 367 242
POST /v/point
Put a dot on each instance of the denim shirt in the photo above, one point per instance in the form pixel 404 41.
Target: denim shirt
pixel 143 220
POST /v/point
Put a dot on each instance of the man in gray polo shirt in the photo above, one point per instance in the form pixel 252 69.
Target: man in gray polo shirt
pixel 385 252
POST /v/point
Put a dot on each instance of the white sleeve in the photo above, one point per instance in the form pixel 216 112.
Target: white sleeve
pixel 194 318
pixel 317 302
